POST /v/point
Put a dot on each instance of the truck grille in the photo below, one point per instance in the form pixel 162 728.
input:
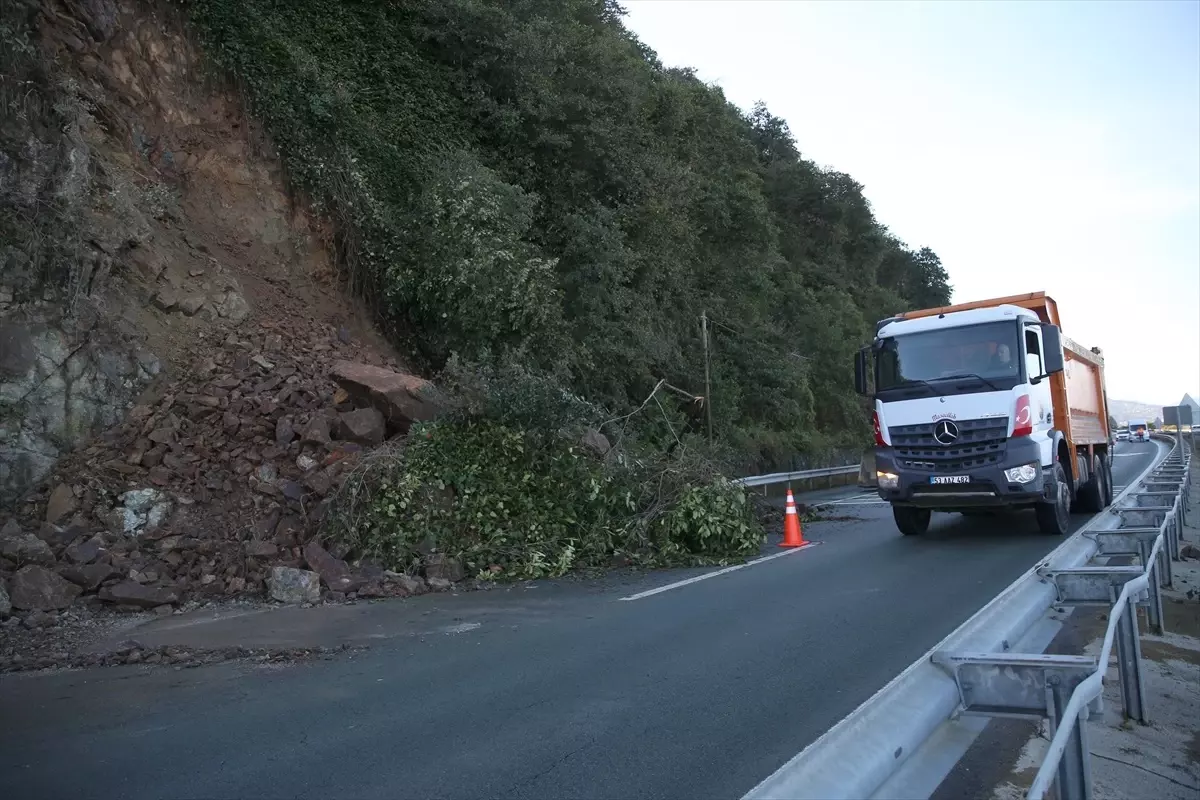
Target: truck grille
pixel 980 443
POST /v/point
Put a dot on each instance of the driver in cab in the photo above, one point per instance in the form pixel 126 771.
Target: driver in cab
pixel 1001 362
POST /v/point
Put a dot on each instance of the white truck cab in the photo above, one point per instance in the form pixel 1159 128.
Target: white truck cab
pixel 965 414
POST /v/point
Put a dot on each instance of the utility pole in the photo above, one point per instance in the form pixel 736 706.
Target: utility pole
pixel 707 384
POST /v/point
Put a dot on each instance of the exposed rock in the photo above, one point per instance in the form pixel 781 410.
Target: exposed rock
pixel 64 381
pixel 261 549
pixel 144 510
pixel 364 426
pixel 61 504
pixel 290 585
pixel 24 548
pixel 403 398
pixel 58 537
pixel 5 602
pixel 333 571
pixel 85 552
pixel 39 619
pixel 409 584
pixel 284 432
pixel 232 306
pixel 132 593
pixel 192 304
pixel 596 441
pixel 36 588
pixel 166 299
pixel 317 430
pixel 437 565
pixel 439 585
pixel 89 576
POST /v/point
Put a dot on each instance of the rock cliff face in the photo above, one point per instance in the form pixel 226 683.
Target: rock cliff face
pixel 145 218
pixel 170 423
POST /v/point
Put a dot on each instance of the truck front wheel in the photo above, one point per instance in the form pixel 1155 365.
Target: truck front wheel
pixel 911 521
pixel 1054 518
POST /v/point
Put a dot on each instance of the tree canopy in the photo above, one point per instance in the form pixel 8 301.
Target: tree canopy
pixel 525 176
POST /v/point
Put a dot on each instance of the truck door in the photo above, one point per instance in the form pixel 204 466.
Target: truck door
pixel 1041 404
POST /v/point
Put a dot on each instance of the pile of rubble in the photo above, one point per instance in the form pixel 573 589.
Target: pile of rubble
pixel 214 485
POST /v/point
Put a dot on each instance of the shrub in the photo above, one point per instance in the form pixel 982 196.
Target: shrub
pixel 507 488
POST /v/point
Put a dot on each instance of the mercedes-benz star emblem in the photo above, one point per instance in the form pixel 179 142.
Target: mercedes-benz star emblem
pixel 946 432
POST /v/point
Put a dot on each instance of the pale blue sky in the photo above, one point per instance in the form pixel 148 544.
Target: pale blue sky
pixel 1033 145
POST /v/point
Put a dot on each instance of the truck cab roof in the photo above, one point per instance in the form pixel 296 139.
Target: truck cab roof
pixel 974 316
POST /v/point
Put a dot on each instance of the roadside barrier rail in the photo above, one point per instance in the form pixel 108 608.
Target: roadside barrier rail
pixel 805 474
pixel 1065 764
pixel 905 739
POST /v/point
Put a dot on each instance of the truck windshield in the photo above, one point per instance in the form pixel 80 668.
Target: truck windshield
pixel 987 355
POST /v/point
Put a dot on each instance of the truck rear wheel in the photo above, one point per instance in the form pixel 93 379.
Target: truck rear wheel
pixel 911 521
pixel 1093 495
pixel 1055 518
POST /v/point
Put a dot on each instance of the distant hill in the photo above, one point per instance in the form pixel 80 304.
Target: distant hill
pixel 1124 410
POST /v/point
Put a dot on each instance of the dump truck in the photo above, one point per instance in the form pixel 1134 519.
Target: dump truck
pixel 986 406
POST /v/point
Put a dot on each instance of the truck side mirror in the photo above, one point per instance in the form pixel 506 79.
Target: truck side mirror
pixel 1052 355
pixel 862 361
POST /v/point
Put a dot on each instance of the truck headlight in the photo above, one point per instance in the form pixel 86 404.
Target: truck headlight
pixel 887 480
pixel 1026 473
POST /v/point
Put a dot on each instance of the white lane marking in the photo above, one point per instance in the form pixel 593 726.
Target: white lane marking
pixel 462 627
pixel 708 575
pixel 1128 455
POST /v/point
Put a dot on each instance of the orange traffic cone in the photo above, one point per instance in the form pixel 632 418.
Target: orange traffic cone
pixel 792 535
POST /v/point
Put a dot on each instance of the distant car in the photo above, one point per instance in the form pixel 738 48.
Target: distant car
pixel 1122 436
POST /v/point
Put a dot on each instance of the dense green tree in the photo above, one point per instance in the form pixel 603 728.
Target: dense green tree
pixel 526 176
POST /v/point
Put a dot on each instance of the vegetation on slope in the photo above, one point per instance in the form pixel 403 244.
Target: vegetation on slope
pixel 525 177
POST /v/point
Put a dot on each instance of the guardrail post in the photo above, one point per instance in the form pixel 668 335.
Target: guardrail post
pixel 1073 780
pixel 1154 612
pixel 1129 662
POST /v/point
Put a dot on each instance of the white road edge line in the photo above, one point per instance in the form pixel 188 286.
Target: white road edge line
pixel 708 575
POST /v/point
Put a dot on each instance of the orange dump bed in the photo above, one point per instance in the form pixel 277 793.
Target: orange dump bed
pixel 1080 399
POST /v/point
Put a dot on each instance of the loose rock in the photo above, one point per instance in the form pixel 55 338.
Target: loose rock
pixel 132 593
pixel 294 586
pixel 62 504
pixel 437 565
pixel 36 588
pixel 24 548
pixel 85 552
pixel 334 572
pixel 364 426
pixel 403 398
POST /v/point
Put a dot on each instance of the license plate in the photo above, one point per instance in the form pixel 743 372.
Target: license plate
pixel 950 479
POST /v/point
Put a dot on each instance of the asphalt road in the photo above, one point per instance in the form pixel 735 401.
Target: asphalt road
pixel 559 691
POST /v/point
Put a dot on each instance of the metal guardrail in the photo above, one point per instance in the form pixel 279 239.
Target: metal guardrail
pixel 1066 762
pixel 905 739
pixel 788 477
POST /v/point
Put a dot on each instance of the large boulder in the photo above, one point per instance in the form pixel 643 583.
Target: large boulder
pixel 333 571
pixel 89 576
pixel 23 548
pixel 437 565
pixel 402 398
pixel 291 585
pixel 36 588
